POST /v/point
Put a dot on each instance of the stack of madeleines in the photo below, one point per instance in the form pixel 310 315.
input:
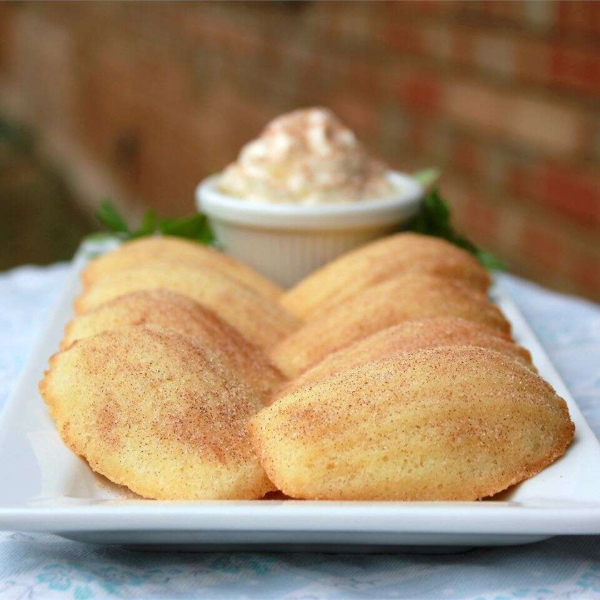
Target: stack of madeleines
pixel 385 375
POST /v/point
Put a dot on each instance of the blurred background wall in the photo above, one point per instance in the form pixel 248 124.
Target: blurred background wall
pixel 141 101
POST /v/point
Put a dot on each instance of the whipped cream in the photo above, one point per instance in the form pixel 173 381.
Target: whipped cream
pixel 306 157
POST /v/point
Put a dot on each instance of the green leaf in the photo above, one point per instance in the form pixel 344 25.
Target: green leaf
pixel 195 227
pixel 490 261
pixel 435 218
pixel 206 235
pixel 16 135
pixel 111 218
pixel 149 225
pixel 99 236
pixel 427 177
pixel 182 226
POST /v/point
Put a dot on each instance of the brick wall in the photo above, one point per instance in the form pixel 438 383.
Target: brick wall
pixel 504 96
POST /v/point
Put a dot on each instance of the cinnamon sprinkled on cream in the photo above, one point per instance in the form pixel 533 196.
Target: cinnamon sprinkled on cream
pixel 306 157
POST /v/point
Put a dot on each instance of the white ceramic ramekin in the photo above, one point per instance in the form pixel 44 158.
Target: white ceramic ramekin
pixel 286 242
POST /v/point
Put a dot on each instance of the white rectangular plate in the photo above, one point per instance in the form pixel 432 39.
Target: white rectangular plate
pixel 44 487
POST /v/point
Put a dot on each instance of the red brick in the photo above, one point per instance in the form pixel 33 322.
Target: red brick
pixel 439 42
pixel 502 53
pixel 584 269
pixel 355 23
pixel 520 183
pixel 194 82
pixel 476 106
pixel 417 135
pixel 405 38
pixel 547 125
pixel 462 46
pixel 575 194
pixel 579 16
pixel 558 63
pixel 534 60
pixel 482 217
pixel 358 113
pixel 466 157
pixel 398 11
pixel 539 16
pixel 550 126
pixel 543 246
pixel 574 68
pixel 439 8
pixel 7 15
pixel 419 91
pixel 495 53
pixel 364 75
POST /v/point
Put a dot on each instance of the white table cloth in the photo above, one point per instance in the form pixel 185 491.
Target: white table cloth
pixel 44 566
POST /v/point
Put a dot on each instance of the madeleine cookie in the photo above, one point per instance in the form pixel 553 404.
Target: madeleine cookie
pixel 153 411
pixel 451 423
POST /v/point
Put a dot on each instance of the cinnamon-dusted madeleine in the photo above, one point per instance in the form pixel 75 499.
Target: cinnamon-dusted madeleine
pixel 450 423
pixel 132 254
pixel 378 261
pixel 406 298
pixel 261 321
pixel 161 308
pixel 153 411
pixel 409 337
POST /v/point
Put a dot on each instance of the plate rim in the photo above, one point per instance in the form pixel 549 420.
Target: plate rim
pixel 485 518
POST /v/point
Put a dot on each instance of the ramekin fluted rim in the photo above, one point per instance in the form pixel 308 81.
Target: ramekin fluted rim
pixel 338 216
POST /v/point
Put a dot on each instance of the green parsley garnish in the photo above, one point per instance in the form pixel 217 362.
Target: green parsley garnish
pixel 433 218
pixel 194 227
